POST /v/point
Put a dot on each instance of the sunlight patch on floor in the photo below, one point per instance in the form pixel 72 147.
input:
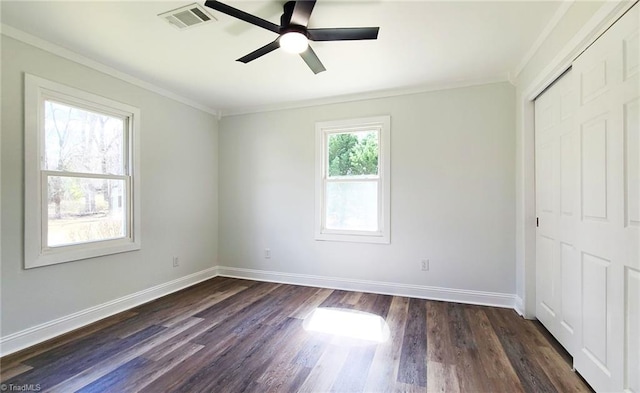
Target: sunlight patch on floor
pixel 348 323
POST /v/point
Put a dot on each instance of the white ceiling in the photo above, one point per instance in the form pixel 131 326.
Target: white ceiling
pixel 420 44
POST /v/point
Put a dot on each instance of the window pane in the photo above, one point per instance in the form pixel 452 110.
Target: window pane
pixel 85 210
pixel 352 206
pixel 353 154
pixel 77 140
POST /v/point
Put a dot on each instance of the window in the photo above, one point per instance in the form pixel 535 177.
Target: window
pixel 352 180
pixel 81 174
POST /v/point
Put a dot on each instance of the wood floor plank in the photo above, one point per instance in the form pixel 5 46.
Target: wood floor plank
pixel 379 305
pixel 117 380
pixel 197 327
pixel 139 372
pixel 352 298
pixel 222 370
pixel 439 349
pixel 327 368
pixel 287 379
pixel 532 377
pixel 231 335
pixel 233 305
pixel 384 368
pixel 59 369
pixel 10 371
pixel 309 355
pixel 288 303
pixel 471 376
pixel 161 367
pixel 243 327
pixel 251 365
pixel 183 371
pixel 461 336
pixel 188 310
pixel 111 363
pixel 335 299
pixel 281 367
pixel 495 363
pixel 442 378
pixel 177 299
pixel 401 387
pixel 353 374
pixel 66 339
pixel 311 303
pixel 413 357
pixel 560 373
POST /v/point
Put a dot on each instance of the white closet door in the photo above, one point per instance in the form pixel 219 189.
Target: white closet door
pixel 607 241
pixel 557 265
pixel 588 204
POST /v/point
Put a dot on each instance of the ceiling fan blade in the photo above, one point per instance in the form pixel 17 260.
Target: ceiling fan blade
pixel 344 33
pixel 312 60
pixel 236 13
pixel 302 12
pixel 260 52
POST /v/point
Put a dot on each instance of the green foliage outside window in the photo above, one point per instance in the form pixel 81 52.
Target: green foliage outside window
pixel 353 154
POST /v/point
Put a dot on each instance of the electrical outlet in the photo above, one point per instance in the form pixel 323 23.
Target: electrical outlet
pixel 176 261
pixel 267 253
pixel 424 265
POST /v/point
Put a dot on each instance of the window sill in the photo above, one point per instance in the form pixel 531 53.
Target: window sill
pixel 339 237
pixel 76 253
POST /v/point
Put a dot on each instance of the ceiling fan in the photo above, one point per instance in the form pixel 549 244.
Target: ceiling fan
pixel 293 34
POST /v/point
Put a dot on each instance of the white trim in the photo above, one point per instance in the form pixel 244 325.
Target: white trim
pixel 57 50
pixel 381 125
pixel 519 305
pixel 598 24
pixel 36 91
pixel 466 296
pixel 37 42
pixel 37 334
pixel 553 22
pixel 364 96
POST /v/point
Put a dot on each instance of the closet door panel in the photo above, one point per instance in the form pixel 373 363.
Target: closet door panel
pixel 608 231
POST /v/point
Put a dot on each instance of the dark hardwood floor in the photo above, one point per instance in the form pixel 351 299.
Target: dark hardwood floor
pixel 230 335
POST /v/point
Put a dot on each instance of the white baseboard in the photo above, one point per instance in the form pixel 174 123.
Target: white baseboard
pixel 519 305
pixel 37 334
pixel 387 288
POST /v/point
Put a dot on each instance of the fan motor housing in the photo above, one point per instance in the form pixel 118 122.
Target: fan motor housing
pixel 294 29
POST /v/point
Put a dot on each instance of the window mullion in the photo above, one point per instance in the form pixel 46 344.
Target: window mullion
pixel 126 147
pixel 98 212
pixel 85 175
pixel 44 210
pixel 353 207
pixel 352 179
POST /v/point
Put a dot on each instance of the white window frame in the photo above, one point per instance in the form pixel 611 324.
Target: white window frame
pixel 37 253
pixel 382 124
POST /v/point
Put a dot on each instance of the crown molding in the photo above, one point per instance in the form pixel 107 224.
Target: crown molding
pixel 553 22
pixel 366 96
pixel 58 50
pixel 602 20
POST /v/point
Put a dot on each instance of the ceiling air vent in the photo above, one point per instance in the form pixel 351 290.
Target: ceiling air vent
pixel 187 16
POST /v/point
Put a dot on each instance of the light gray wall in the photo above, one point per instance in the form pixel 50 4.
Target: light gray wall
pixel 452 191
pixel 179 170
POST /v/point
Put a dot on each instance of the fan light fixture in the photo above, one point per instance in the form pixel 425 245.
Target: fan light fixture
pixel 294 42
pixel 293 31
